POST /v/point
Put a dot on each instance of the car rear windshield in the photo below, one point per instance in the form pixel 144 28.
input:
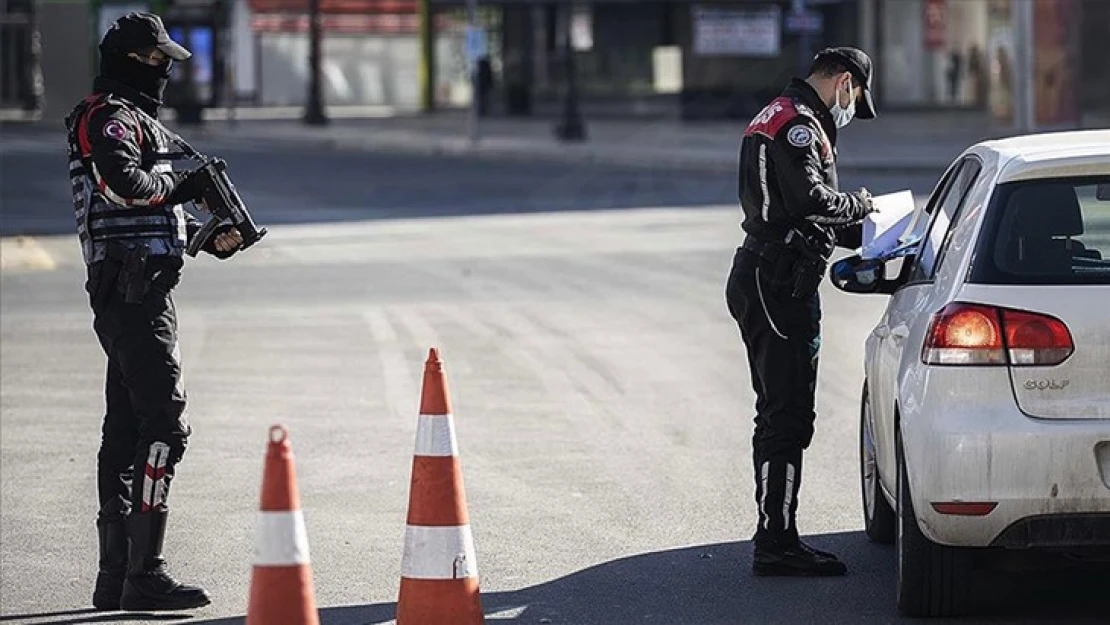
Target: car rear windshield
pixel 1051 231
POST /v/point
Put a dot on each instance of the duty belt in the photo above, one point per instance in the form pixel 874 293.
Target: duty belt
pixel 131 272
pixel 769 251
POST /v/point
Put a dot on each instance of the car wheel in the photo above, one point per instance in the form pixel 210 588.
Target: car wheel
pixel 933 580
pixel 878 516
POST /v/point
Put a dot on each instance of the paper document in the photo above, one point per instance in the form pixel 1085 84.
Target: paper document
pixel 883 230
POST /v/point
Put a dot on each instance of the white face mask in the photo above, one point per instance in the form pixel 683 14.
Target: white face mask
pixel 844 114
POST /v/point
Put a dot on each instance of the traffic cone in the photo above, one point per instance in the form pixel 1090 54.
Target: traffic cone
pixel 439 571
pixel 281 585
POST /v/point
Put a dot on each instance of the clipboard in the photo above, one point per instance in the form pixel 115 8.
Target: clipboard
pixel 891 227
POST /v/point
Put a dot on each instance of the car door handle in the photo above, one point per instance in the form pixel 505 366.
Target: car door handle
pixel 900 332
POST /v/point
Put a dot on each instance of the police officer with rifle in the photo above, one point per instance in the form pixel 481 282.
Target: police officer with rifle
pixel 794 217
pixel 133 232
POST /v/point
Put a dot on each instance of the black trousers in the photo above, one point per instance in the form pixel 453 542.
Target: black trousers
pixel 145 428
pixel 782 335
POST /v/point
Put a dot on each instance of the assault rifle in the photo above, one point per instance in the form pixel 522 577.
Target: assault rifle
pixel 223 201
pixel 219 198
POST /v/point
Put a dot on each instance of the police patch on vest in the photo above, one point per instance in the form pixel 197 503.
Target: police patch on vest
pixel 115 129
pixel 800 137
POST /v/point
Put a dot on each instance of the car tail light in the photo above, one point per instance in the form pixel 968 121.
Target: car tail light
pixel 1033 339
pixel 975 334
pixel 965 334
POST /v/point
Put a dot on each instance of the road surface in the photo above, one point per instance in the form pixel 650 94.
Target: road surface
pixel 602 403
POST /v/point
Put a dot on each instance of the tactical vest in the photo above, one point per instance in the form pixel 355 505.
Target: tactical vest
pixel 100 220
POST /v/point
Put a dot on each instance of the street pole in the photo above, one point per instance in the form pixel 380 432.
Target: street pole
pixel 1025 85
pixel 570 126
pixel 472 32
pixel 231 48
pixel 799 8
pixel 427 56
pixel 34 96
pixel 314 107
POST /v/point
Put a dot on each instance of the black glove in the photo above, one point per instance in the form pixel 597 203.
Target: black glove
pixel 189 187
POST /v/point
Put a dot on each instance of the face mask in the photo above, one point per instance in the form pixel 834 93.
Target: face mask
pixel 152 79
pixel 149 79
pixel 843 115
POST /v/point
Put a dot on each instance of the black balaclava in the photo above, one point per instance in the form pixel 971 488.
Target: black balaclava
pixel 147 79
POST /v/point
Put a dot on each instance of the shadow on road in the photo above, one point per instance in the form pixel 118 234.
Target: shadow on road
pixel 90 616
pixel 710 585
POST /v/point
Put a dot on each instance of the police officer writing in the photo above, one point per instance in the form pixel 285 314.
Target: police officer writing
pixel 794 217
pixel 133 230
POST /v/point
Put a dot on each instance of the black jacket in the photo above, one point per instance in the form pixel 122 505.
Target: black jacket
pixel 125 146
pixel 787 175
pixel 123 181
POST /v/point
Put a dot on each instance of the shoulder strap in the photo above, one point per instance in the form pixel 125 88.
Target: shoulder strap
pixel 187 150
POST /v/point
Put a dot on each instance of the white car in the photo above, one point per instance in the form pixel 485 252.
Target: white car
pixel 985 417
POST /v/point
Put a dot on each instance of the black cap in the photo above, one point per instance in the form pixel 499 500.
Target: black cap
pixel 135 32
pixel 859 64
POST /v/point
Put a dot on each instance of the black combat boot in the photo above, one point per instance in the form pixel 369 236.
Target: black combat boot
pixel 794 559
pixel 778 550
pixel 149 587
pixel 113 563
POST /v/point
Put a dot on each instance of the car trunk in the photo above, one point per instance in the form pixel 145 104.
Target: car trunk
pixel 1079 387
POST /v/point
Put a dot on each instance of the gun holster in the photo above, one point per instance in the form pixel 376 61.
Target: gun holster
pixel 806 275
pixel 122 270
pixel 790 265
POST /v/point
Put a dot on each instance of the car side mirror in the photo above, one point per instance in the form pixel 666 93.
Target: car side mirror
pixel 858 275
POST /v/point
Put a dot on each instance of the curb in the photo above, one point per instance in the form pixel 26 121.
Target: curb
pixel 502 150
pixel 577 154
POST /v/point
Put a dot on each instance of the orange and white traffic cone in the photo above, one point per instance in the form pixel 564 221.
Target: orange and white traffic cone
pixel 439 571
pixel 281 585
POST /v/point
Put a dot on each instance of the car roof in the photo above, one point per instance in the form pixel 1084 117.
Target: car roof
pixel 1049 154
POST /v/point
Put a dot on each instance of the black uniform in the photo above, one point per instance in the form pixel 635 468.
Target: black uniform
pixel 133 231
pixel 794 216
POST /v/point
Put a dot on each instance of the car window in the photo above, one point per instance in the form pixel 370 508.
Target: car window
pixel 923 216
pixel 1048 231
pixel 972 175
pixel 944 215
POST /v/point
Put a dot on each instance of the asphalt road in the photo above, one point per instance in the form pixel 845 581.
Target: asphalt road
pixel 322 186
pixel 602 404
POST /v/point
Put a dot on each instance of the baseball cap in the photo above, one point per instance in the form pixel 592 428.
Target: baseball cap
pixel 139 31
pixel 859 64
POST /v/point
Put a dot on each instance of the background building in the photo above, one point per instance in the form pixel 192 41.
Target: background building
pixel 962 54
pixel 20 78
pixel 692 59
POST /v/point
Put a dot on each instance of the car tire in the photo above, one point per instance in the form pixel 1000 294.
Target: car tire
pixel 878 515
pixel 933 580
